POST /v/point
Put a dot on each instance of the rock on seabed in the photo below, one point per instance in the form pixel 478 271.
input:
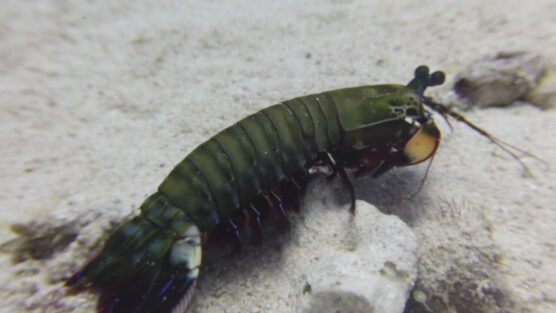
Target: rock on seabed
pixel 369 266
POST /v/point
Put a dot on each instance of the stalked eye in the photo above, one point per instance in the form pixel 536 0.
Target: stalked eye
pixel 422 145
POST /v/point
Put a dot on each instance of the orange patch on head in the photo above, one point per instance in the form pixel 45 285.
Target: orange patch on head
pixel 421 146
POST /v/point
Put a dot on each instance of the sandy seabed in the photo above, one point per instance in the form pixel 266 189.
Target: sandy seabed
pixel 99 100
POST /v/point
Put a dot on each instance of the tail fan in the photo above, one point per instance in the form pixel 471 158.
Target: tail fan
pixel 150 264
pixel 166 286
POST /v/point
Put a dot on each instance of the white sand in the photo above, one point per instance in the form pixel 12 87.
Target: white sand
pixel 99 101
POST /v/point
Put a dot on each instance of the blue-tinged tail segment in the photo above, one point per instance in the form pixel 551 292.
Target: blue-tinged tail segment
pixel 150 264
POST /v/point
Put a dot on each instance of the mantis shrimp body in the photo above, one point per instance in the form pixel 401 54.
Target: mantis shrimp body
pixel 254 169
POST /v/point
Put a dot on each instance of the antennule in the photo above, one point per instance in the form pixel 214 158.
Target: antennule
pixel 510 149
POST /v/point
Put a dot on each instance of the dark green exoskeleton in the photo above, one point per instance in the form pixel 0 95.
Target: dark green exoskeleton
pixel 151 263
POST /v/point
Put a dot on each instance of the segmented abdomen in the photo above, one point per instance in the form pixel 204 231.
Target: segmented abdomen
pixel 232 168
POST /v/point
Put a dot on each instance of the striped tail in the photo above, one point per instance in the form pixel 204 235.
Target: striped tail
pixel 150 264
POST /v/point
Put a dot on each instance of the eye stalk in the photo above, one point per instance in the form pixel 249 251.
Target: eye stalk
pixel 422 80
pixel 424 142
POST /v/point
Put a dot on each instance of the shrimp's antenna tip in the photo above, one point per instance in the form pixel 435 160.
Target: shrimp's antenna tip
pixel 510 149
